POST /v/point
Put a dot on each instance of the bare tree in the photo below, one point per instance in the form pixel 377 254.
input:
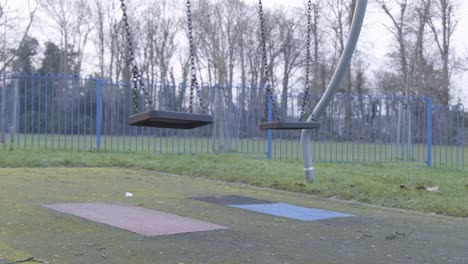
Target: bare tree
pixel 11 47
pixel 399 29
pixel 9 26
pixel 419 65
pixel 71 21
pixel 291 46
pixel 220 28
pixel 342 15
pixel 99 40
pixel 116 43
pixel 443 23
pixel 158 46
pixel 317 44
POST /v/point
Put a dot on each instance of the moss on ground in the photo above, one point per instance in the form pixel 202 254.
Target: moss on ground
pixel 399 185
pixel 251 238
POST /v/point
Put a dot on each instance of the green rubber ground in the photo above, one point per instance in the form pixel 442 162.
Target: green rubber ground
pixel 376 235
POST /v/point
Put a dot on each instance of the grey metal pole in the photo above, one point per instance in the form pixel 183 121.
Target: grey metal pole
pixel 345 60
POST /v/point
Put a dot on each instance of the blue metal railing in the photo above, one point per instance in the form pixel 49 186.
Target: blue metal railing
pixel 69 112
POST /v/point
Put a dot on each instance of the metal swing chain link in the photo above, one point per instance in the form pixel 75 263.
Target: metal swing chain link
pixel 306 99
pixel 194 83
pixel 268 91
pixel 138 84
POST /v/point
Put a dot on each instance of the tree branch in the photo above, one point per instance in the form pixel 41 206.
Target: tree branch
pixel 25 35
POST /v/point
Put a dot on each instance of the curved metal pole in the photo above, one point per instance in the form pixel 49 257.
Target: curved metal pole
pixel 345 60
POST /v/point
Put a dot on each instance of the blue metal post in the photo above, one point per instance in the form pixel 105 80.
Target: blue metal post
pixel 429 132
pixel 3 123
pixel 463 140
pixel 98 114
pixel 39 87
pixel 270 133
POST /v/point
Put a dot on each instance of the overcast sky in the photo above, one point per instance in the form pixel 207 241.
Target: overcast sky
pixel 374 37
pixel 374 23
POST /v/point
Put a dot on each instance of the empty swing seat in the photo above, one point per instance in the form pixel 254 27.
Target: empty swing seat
pixel 169 119
pixel 288 125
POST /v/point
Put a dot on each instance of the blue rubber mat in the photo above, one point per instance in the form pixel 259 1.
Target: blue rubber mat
pixel 231 199
pixel 291 211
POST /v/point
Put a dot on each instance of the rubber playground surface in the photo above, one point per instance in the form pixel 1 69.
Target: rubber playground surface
pixel 82 215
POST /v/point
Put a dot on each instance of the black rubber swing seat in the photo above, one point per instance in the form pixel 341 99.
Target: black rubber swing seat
pixel 288 125
pixel 169 119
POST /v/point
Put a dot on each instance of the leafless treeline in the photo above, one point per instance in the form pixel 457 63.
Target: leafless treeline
pixel 423 56
pixel 90 38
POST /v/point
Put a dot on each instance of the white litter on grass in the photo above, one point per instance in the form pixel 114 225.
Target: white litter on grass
pixel 432 189
pixel 128 194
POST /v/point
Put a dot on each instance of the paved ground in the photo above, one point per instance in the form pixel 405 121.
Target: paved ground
pixel 376 235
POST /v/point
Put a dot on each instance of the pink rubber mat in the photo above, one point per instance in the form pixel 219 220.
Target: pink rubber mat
pixel 135 219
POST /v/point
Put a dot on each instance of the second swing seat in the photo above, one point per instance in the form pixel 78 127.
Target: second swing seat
pixel 288 125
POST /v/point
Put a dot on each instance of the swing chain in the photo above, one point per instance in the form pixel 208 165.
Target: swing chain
pixel 306 99
pixel 194 83
pixel 266 81
pixel 138 84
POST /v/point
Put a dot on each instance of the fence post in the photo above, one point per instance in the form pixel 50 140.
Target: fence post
pixel 3 117
pixel 12 125
pixel 429 132
pixel 270 133
pixel 98 114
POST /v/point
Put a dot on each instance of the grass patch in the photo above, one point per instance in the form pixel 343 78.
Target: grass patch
pixel 396 185
pixel 283 147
